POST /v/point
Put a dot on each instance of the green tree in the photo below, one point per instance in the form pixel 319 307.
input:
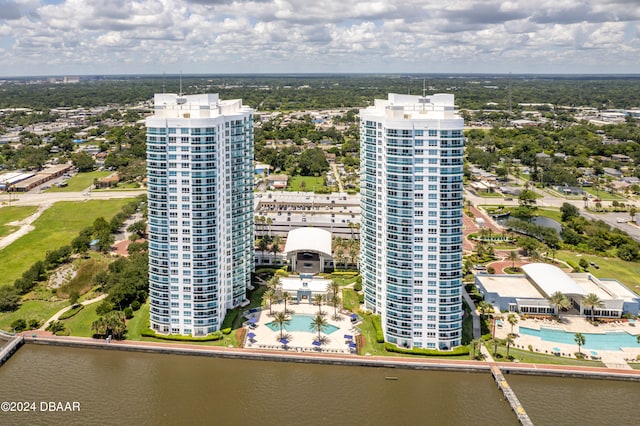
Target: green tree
pixel 580 340
pixel 592 301
pixel 569 211
pixel 281 318
pixel 512 319
pixel 83 161
pixel 263 245
pixel 584 264
pixel 9 299
pixel 286 297
pixel 138 228
pixel 632 213
pixel 313 162
pixel 335 301
pixel 527 198
pixel 317 299
pixel 268 297
pixel 513 257
pixel 19 325
pixel 559 301
pixel 509 340
pixel 55 327
pixel 319 324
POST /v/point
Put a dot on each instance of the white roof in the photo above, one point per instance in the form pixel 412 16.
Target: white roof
pixel 308 239
pixel 550 279
pixel 297 284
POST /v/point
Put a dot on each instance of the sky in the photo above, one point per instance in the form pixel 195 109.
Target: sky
pixel 89 37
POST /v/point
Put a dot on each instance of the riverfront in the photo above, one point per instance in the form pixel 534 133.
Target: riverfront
pixel 114 387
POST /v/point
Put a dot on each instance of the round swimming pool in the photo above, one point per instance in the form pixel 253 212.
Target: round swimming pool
pixel 609 341
pixel 301 322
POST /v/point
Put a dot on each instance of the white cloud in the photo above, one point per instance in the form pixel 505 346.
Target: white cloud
pixel 89 36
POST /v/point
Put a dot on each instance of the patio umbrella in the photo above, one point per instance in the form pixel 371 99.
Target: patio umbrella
pixel 348 336
pixel 316 343
pixel 354 316
pixel 284 342
pixel 555 349
pixel 253 320
pixel 251 335
pixel 594 353
pixel 352 345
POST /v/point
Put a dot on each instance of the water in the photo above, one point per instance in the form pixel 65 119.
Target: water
pixel 538 220
pixel 301 322
pixel 579 402
pixel 118 388
pixel 611 341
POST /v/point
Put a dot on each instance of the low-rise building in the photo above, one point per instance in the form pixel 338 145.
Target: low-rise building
pixel 529 293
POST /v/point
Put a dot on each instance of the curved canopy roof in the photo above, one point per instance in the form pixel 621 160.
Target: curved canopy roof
pixel 308 239
pixel 550 279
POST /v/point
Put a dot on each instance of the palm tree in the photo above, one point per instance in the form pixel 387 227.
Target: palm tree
pixel 269 222
pixel 335 301
pixel 317 299
pixel 513 257
pixel 632 213
pixel 592 301
pixel 335 287
pixel 268 297
pixel 476 345
pixel 509 341
pixel 318 324
pixel 281 318
pixel 286 296
pixel 275 247
pixel 512 319
pixel 263 245
pixel 560 301
pixel 580 340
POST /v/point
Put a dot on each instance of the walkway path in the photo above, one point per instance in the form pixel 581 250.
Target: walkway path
pixel 336 174
pixel 65 309
pixel 25 226
pixel 614 360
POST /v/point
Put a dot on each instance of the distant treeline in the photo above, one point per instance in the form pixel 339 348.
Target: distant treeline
pixel 300 92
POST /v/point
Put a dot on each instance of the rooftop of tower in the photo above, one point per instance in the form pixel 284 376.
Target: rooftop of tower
pixel 412 107
pixel 206 105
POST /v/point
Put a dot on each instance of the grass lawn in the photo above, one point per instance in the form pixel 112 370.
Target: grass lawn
pixel 311 183
pixel 603 195
pixel 80 324
pixel 628 273
pixel 32 309
pixel 57 226
pixel 11 214
pixel 550 213
pixel 80 182
pixel 350 299
pixel 139 322
pixel 485 194
pixel 537 358
pixel 343 280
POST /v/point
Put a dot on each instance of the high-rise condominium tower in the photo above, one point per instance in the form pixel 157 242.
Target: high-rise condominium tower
pixel 200 171
pixel 411 232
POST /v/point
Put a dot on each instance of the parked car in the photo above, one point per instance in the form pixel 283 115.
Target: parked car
pixel 595 265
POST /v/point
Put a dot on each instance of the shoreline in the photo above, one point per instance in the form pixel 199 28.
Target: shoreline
pixel 440 364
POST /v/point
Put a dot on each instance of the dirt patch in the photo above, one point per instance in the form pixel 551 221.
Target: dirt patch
pixel 62 275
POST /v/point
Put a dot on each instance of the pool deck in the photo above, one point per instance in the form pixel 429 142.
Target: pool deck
pixel 574 324
pixel 301 341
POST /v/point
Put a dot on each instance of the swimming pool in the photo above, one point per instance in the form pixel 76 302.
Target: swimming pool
pixel 610 341
pixel 300 322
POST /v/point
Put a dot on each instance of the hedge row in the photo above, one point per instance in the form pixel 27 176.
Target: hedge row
pixel 71 312
pixel 461 350
pixel 217 335
pixel 575 267
pixel 346 273
pixel 377 325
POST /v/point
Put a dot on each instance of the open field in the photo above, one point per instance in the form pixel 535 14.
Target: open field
pixel 603 195
pixel 311 183
pixel 11 214
pixel 32 309
pixel 628 273
pixel 80 182
pixel 80 323
pixel 57 226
